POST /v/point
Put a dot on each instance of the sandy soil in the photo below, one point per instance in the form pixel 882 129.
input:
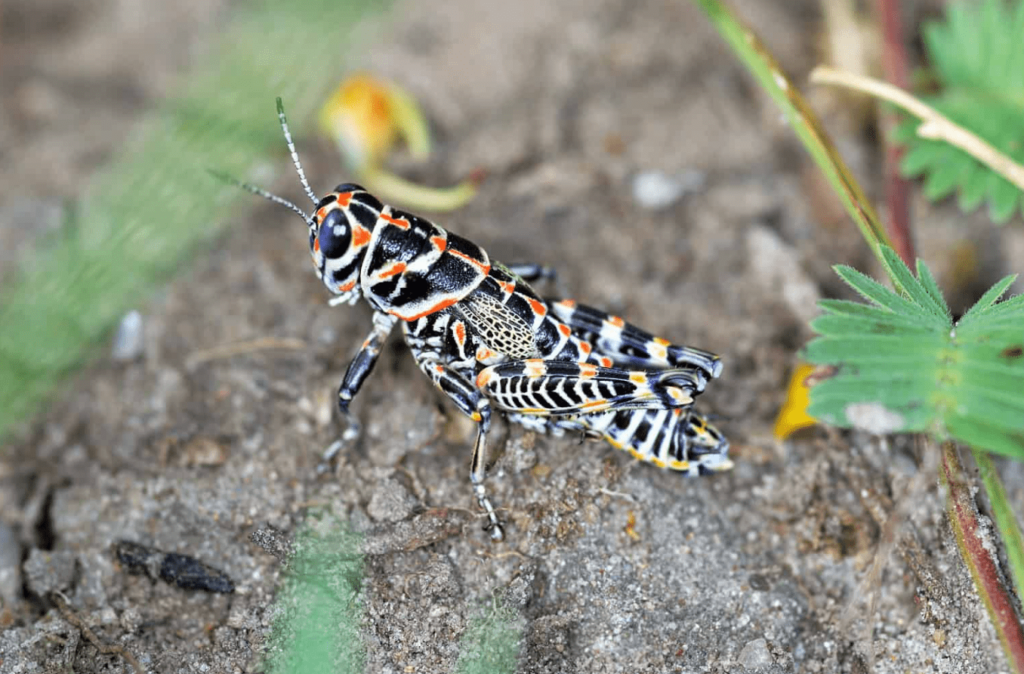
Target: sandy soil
pixel 785 564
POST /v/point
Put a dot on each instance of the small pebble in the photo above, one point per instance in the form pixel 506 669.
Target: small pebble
pixel 129 338
pixel 656 190
pixel 755 655
pixel 202 451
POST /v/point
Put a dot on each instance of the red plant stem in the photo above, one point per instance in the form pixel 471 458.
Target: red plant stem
pixel 897 190
pixel 963 515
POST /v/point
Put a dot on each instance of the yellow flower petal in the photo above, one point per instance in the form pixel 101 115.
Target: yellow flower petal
pixel 360 118
pixel 365 116
pixel 793 415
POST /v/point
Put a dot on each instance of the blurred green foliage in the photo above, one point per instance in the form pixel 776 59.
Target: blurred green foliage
pixel 135 225
pixel 978 58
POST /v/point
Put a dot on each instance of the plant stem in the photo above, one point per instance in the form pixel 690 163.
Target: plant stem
pixel 1006 522
pixel 897 190
pixel 758 60
pixel 963 515
pixel 934 125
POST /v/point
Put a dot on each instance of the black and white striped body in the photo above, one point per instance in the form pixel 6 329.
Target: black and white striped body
pixel 489 342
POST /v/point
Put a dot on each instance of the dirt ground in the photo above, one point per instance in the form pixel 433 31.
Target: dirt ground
pixel 784 564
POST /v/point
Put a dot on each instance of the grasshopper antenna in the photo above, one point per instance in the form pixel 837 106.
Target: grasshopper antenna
pixel 295 155
pixel 223 177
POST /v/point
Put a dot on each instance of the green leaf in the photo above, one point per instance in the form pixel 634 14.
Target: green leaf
pixel 492 642
pixel 317 609
pixel 990 297
pixel 902 365
pixel 977 57
pixel 870 314
pixel 903 278
pixel 928 282
pixel 972 189
pixel 872 290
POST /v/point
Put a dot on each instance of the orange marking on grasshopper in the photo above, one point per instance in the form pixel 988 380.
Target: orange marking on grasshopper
pixel 535 367
pixel 484 268
pixel 432 310
pixel 360 236
pixel 484 377
pixel 397 222
pixel 392 269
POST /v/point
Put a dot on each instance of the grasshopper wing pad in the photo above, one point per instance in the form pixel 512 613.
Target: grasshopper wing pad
pixel 559 388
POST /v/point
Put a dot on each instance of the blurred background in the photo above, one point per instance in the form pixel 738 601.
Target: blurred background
pixel 168 362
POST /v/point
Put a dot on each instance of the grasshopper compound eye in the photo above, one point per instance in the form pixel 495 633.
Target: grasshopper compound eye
pixel 335 235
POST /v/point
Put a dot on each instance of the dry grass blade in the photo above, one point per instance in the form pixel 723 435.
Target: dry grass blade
pixel 935 125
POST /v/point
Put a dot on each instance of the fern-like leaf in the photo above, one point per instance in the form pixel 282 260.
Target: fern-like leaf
pixel 903 365
pixel 979 62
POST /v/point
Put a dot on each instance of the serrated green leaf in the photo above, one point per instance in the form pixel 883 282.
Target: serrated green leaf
pixel 901 276
pixel 850 308
pixel 1010 306
pixel 928 282
pixel 829 350
pixel 1003 198
pixel 998 326
pixel 994 409
pixel 907 368
pixel 977 58
pixel 945 175
pixel 920 155
pixel 850 326
pixel 874 313
pixel 1005 354
pixel 874 291
pixel 973 188
pixel 979 434
pixel 893 393
pixel 994 381
pixel 990 297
